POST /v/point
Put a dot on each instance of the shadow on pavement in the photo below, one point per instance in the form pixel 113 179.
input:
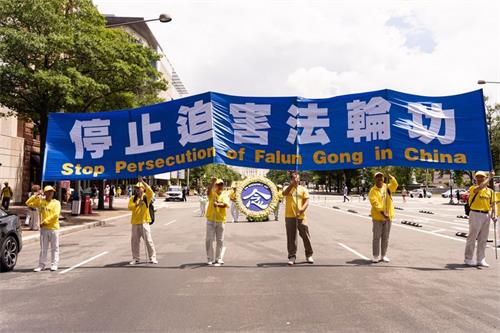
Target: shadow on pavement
pixel 460 267
pixel 352 263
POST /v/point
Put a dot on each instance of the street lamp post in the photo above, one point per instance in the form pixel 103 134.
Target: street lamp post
pixel 485 82
pixel 489 120
pixel 163 18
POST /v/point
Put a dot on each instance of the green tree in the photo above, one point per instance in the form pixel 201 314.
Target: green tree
pixel 278 176
pixel 493 120
pixel 58 56
pixel 202 175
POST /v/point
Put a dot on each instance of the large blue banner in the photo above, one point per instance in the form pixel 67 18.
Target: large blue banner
pixel 378 128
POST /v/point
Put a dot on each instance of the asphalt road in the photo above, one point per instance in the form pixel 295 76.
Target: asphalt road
pixel 425 287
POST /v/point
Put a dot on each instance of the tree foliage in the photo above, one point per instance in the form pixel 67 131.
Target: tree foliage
pixel 58 56
pixel 278 176
pixel 202 175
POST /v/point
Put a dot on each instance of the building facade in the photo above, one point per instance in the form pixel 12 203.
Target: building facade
pixel 12 157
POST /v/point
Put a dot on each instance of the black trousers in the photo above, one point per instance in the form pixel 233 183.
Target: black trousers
pixel 292 225
pixel 5 203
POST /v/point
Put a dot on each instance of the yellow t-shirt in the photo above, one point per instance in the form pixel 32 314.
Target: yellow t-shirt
pixel 302 195
pixel 232 196
pixel 140 212
pixel 497 200
pixel 280 196
pixel 49 211
pixel 6 192
pixel 217 214
pixel 381 200
pixel 483 201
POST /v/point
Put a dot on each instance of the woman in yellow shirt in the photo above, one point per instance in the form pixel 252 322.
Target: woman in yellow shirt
pixel 216 220
pixel 382 212
pixel 50 209
pixel 482 209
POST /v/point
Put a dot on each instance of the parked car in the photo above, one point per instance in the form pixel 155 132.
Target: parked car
pixel 10 240
pixel 419 193
pixel 174 193
pixel 464 197
pixel 454 192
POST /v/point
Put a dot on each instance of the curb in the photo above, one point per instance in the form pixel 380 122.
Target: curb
pixel 75 228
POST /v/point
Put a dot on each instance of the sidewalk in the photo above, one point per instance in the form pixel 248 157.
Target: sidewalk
pixel 71 223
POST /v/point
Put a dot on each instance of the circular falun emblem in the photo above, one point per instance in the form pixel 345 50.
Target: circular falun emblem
pixel 257 197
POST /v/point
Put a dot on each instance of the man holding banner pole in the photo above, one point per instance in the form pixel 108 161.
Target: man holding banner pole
pixel 140 220
pixel 382 212
pixel 297 201
pixel 482 209
pixel 216 220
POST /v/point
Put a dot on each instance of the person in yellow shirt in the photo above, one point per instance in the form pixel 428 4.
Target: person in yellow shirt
pixel 216 219
pixel 382 212
pixel 297 201
pixel 482 209
pixel 139 204
pixel 235 212
pixel 50 209
pixel 278 204
pixel 6 195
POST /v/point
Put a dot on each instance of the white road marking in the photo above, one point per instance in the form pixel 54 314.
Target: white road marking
pixel 438 230
pixel 169 223
pixel 395 224
pixel 83 262
pixel 459 228
pixel 196 210
pixel 353 251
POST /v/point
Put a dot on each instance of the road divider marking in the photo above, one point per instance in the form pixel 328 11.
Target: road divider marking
pixel 438 230
pixel 83 262
pixel 397 225
pixel 353 251
pixel 169 223
pixel 460 228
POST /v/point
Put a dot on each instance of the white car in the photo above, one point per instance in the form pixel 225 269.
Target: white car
pixel 174 193
pixel 454 193
pixel 419 193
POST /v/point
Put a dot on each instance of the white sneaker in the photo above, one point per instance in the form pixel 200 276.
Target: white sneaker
pixel 154 261
pixel 39 268
pixel 375 260
pixel 219 262
pixel 53 268
pixel 483 263
pixel 291 261
pixel 386 259
pixel 470 262
pixel 210 263
pixel 310 260
pixel 134 262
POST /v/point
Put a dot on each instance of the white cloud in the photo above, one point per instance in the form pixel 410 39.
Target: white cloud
pixel 324 48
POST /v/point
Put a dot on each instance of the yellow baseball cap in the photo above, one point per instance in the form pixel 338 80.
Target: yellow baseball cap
pixel 481 174
pixel 378 173
pixel 140 185
pixel 49 188
pixel 219 181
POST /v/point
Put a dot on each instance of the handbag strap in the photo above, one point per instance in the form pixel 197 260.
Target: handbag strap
pixel 473 198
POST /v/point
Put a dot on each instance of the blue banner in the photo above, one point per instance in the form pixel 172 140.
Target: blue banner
pixel 378 128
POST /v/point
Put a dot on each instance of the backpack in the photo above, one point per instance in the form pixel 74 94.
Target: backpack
pixel 151 208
